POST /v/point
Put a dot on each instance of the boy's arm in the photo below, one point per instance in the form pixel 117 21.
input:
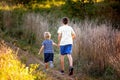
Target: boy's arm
pixel 42 47
pixel 59 38
pixel 73 35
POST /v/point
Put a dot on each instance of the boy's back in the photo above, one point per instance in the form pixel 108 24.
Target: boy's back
pixel 48 46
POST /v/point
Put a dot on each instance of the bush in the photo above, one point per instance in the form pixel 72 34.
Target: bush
pixel 12 69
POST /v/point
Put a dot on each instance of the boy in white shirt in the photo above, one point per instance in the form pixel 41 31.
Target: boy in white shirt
pixel 65 40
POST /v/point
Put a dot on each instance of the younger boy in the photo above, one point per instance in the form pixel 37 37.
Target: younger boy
pixel 47 46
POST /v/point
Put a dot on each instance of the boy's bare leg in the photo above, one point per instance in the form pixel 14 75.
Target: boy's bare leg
pixel 46 65
pixel 70 60
pixel 62 62
pixel 71 64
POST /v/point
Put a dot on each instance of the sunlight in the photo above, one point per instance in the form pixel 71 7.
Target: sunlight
pixel 4 6
pixel 47 4
pixel 94 0
pixel 99 0
pixel 87 0
pixel 50 4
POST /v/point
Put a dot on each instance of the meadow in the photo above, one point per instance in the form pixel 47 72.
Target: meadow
pixel 96 49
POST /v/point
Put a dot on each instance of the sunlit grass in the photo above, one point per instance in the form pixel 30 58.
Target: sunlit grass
pixel 5 6
pixel 47 4
pixel 88 0
pixel 11 67
pixel 99 0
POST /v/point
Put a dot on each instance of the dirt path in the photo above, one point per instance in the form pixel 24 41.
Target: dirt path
pixel 31 59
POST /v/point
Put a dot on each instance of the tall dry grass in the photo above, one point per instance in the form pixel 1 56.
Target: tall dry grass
pixel 35 24
pixel 96 47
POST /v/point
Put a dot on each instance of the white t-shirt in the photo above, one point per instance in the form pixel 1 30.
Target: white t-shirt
pixel 66 32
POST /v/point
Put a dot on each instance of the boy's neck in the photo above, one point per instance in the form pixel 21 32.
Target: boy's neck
pixel 65 24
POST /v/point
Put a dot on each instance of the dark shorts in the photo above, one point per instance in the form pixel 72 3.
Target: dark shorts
pixel 66 49
pixel 48 57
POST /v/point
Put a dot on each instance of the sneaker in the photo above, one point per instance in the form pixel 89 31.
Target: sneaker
pixel 71 71
pixel 62 72
pixel 51 64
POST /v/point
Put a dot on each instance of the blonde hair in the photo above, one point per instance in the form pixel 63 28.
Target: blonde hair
pixel 47 35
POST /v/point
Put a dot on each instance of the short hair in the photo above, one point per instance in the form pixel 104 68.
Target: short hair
pixel 65 20
pixel 47 35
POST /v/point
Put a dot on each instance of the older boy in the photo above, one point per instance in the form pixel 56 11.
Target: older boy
pixel 65 40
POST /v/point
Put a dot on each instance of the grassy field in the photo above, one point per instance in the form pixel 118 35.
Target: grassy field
pixel 96 49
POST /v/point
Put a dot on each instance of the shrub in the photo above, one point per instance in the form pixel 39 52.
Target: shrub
pixel 12 69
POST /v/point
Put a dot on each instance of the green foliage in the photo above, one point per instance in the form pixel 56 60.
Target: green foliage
pixel 90 11
pixel 38 74
pixel 1 23
pixel 14 21
pixel 30 38
pixel 80 9
pixel 116 14
pixel 25 45
pixel 73 9
pixel 109 73
pixel 21 1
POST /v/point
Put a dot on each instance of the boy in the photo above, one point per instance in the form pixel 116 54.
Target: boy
pixel 65 40
pixel 47 45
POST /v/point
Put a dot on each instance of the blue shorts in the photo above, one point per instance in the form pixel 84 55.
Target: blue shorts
pixel 66 49
pixel 48 57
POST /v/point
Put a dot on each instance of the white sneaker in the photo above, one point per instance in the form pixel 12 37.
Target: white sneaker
pixel 51 64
